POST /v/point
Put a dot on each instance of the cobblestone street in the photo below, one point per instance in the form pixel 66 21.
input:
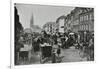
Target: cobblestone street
pixel 71 55
pixel 68 55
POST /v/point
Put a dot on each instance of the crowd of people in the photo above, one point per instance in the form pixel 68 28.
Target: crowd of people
pixel 66 40
pixel 50 45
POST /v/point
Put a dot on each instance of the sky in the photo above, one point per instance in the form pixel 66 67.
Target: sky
pixel 41 13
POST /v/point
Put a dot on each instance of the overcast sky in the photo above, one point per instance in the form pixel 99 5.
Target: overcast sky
pixel 41 13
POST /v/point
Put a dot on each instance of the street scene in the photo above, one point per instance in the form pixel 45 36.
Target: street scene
pixel 45 34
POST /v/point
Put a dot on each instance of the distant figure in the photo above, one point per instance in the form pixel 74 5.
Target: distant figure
pixel 53 57
pixel 66 38
pixel 91 48
pixel 78 40
pixel 58 51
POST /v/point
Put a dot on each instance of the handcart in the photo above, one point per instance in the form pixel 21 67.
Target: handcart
pixel 46 52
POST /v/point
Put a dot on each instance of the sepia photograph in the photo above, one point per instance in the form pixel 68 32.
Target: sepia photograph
pixel 48 34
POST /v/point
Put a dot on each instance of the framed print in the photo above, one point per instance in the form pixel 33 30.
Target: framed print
pixel 49 34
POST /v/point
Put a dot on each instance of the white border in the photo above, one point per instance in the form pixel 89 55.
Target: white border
pixel 12 32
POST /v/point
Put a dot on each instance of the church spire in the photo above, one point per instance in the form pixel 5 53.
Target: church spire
pixel 31 21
